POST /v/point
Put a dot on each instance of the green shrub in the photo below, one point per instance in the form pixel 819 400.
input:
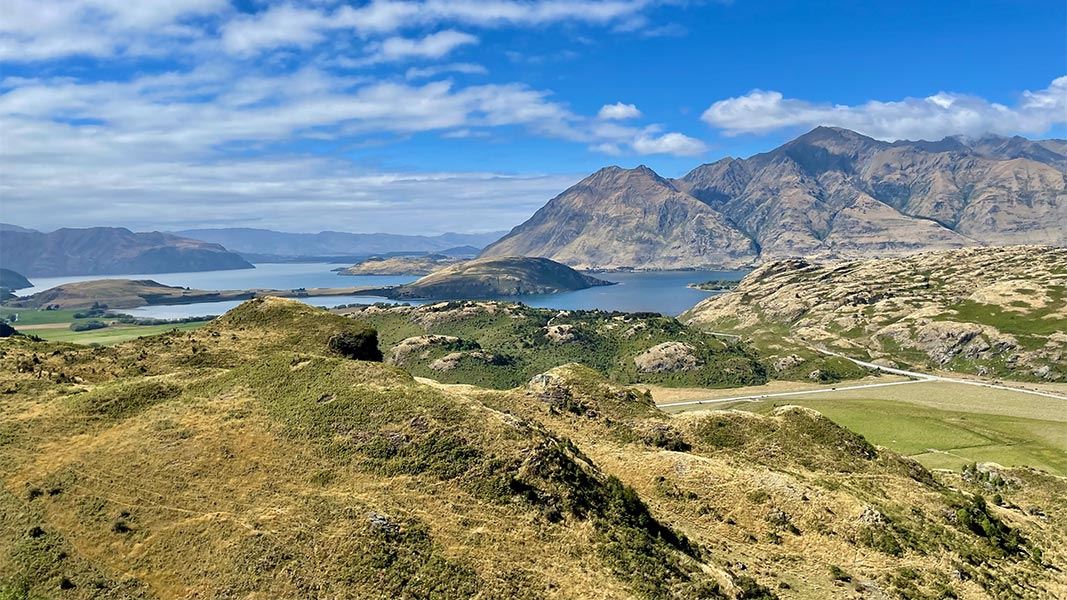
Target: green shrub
pixel 87 326
pixel 357 345
pixel 839 574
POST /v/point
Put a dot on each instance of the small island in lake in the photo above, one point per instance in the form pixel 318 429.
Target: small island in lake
pixel 496 277
pixel 400 265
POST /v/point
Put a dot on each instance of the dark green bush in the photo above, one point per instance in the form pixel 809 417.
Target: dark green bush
pixel 357 345
pixel 87 326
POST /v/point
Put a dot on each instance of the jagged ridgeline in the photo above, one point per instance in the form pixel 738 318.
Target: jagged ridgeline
pixel 261 456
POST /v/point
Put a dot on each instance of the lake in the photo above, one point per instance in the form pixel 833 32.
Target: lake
pixel 665 292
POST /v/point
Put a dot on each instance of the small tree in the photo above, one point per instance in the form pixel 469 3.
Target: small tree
pixel 357 344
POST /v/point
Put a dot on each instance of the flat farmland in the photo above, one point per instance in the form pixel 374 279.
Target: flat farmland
pixel 940 424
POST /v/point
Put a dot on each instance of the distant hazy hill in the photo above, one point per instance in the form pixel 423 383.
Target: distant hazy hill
pixel 334 243
pixel 10 280
pixel 494 277
pixel 109 251
pixel 829 193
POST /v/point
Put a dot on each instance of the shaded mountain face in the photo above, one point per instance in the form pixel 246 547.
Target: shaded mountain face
pixel 110 251
pixel 831 193
pixel 10 280
pixel 627 218
pixel 334 243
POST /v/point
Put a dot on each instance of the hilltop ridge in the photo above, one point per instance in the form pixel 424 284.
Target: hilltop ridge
pixel 255 457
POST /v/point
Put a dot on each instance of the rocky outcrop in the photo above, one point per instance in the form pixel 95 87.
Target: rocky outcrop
pixel 996 311
pixel 420 346
pixel 668 357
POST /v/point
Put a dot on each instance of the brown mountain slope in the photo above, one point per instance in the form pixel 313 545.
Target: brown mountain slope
pixel 830 193
pixel 627 218
pixel 935 195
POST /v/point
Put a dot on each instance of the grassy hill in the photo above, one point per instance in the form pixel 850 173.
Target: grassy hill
pixel 998 312
pixel 503 345
pixel 252 458
pixel 119 293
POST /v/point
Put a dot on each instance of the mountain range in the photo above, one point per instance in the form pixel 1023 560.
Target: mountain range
pixel 108 251
pixel 830 193
pixel 265 242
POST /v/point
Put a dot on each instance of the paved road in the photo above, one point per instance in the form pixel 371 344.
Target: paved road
pixel 929 377
pixel 755 397
pixel 917 377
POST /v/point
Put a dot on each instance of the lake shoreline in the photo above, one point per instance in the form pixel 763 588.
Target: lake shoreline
pixel 664 292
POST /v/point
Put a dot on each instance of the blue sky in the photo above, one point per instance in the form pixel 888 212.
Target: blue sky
pixel 424 116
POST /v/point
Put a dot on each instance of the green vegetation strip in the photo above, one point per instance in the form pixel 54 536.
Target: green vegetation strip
pixel 111 335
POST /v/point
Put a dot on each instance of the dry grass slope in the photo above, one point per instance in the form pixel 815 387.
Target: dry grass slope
pixel 250 458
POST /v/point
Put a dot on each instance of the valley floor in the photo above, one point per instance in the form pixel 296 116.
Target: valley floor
pixel 939 423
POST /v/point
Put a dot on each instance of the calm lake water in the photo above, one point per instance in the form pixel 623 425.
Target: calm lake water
pixel 664 292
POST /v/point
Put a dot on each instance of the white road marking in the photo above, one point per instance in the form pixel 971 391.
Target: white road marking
pixel 779 394
pixel 929 377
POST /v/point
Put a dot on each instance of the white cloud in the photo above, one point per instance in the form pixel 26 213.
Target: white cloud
pixel 435 45
pixel 291 25
pixel 197 146
pixel 31 30
pixel 435 70
pixel 618 111
pixel 282 25
pixel 933 117
pixel 288 193
pixel 668 143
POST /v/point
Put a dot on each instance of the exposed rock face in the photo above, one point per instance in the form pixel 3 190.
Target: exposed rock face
pixel 667 357
pixel 421 345
pixel 452 359
pixel 496 277
pixel 627 218
pixel 836 193
pixel 997 311
pixel 110 251
pixel 831 193
pixel 561 334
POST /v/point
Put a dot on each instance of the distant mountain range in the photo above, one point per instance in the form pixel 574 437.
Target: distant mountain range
pixel 108 251
pixel 831 193
pixel 264 242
